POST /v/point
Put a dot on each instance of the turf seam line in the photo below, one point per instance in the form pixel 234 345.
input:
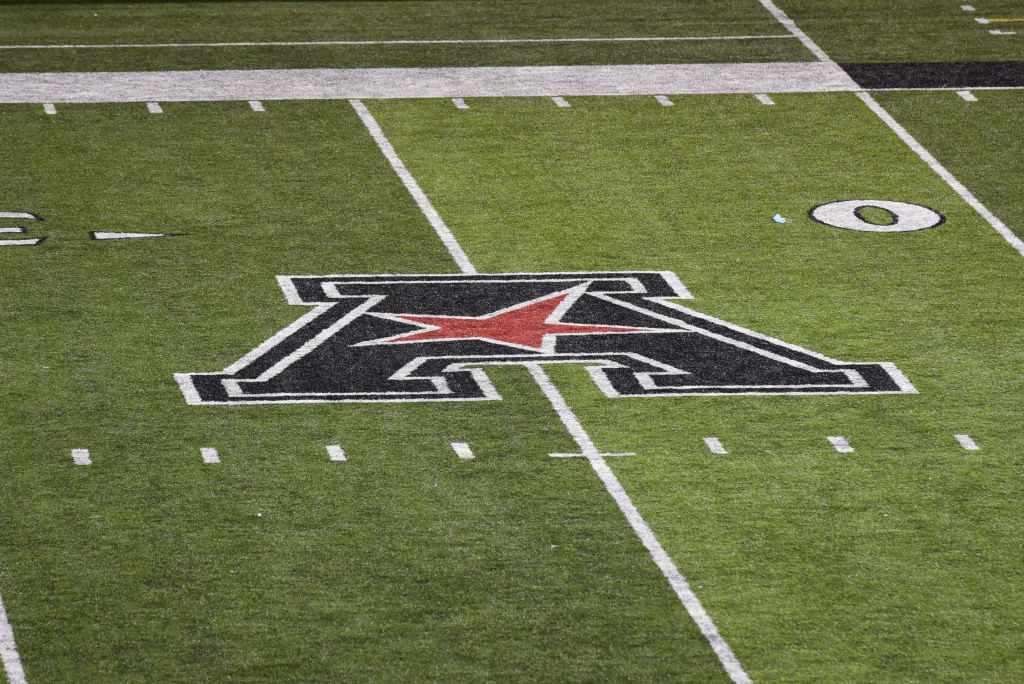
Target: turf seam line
pixel 9 650
pixel 904 135
pixel 342 43
pixel 435 220
pixel 661 558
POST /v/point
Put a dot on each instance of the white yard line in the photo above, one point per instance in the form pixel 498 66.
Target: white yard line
pixel 661 558
pixel 329 43
pixel 587 448
pixel 900 131
pixel 438 224
pixel 9 650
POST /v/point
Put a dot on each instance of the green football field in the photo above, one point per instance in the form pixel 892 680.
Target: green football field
pixel 346 358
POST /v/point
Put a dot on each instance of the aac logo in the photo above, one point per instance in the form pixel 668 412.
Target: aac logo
pixel 391 338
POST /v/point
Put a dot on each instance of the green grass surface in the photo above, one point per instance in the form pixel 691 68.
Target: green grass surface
pixel 898 562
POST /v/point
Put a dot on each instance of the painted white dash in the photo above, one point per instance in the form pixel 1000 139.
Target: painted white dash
pixel 463 450
pixel 210 455
pixel 967 95
pixel 967 8
pixel 981 20
pixel 256 106
pixel 154 108
pixel 459 103
pixel 764 99
pixel 841 445
pixel 664 101
pixel 9 650
pixel 336 453
pixel 560 101
pixel 997 32
pixel 967 443
pixel 81 457
pixel 49 108
pixel 715 445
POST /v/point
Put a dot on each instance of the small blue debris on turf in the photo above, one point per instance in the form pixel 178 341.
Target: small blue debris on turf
pixel 778 218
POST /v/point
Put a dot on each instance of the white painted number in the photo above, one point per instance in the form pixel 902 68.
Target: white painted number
pixel 903 216
pixel 21 242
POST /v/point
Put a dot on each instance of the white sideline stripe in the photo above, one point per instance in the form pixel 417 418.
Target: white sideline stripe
pixel 967 95
pixel 459 103
pixel 9 650
pixel 49 108
pixel 967 443
pixel 154 108
pixel 661 558
pixel 900 131
pixel 81 457
pixel 715 445
pixel 560 101
pixel 463 450
pixel 938 168
pixel 664 101
pixel 841 445
pixel 442 230
pixel 451 41
pixel 209 454
pixel 764 99
pixel 430 82
pixel 336 453
pixel 256 106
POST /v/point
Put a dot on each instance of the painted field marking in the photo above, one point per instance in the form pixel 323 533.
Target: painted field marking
pixel 9 650
pixel 81 457
pixel 154 108
pixel 113 235
pixel 560 101
pixel 256 106
pixel 1005 20
pixel 49 108
pixel 967 8
pixel 997 32
pixel 210 455
pixel 18 243
pixel 841 445
pixel 715 445
pixel 981 20
pixel 661 558
pixel 967 95
pixel 438 224
pixel 459 103
pixel 903 135
pixel 328 43
pixel 463 450
pixel 664 101
pixel 336 453
pixel 967 443
pixel 764 99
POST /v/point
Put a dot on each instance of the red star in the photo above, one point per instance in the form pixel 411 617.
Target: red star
pixel 525 325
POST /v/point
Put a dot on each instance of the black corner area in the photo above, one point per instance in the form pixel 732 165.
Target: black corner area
pixel 937 74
